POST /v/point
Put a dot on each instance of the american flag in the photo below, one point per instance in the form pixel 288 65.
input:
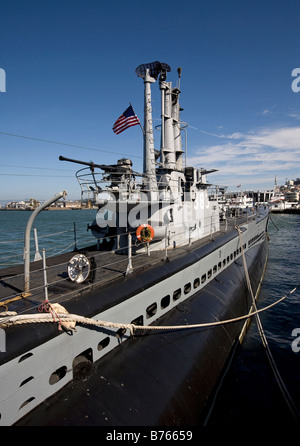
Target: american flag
pixel 127 119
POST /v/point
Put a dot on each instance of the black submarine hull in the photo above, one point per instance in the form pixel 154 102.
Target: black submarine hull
pixel 164 377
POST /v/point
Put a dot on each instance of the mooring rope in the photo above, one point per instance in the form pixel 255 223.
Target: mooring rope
pixel 8 319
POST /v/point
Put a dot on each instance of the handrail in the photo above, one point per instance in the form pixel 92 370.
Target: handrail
pixel 27 237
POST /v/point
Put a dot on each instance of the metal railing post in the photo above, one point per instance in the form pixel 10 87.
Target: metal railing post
pixel 45 276
pixel 129 265
pixel 167 241
pixel 37 255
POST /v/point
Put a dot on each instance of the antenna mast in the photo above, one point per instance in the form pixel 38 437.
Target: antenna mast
pixel 149 72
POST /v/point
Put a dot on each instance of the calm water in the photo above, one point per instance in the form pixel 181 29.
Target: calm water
pixel 52 227
pixel 249 391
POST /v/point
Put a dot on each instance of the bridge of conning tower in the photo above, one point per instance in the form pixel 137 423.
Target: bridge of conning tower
pixel 165 173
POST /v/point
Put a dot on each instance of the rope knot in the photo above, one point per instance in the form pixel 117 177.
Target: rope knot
pixel 54 309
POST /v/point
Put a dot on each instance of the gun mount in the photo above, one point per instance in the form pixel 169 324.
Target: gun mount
pixel 115 178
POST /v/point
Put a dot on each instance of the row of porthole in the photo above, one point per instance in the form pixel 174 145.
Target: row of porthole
pixel 151 310
pixel 60 373
pixel 217 267
pixel 165 301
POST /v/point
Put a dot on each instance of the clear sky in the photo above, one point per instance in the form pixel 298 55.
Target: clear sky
pixel 70 72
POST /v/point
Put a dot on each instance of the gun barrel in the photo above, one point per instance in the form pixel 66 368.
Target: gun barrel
pixel 92 165
pixel 107 168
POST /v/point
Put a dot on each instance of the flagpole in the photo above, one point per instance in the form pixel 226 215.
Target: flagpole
pixel 139 120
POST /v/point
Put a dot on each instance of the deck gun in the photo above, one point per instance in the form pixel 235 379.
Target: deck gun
pixel 123 165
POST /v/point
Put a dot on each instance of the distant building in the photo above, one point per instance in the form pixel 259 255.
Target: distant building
pixel 292 195
pixel 32 203
pixel 67 204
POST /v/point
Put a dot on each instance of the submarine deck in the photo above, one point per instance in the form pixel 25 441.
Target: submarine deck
pixel 109 267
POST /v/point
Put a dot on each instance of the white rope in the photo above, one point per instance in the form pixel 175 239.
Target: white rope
pixel 7 320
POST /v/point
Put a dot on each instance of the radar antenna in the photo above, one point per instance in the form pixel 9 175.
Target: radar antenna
pixel 155 68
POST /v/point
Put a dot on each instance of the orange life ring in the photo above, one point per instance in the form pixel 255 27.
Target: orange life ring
pixel 145 233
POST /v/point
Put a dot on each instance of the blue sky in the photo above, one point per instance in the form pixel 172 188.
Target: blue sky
pixel 70 73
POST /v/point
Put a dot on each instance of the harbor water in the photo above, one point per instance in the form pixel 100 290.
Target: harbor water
pixel 58 231
pixel 249 391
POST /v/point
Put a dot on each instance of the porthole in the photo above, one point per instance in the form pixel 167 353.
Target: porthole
pixel 138 320
pixel 120 332
pixel 58 375
pixel 203 278
pixel 82 365
pixel 209 273
pixel 196 282
pixel 177 294
pixel 26 381
pixel 165 302
pixel 187 288
pixel 151 310
pixel 104 343
pixel 28 355
pixel 26 402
